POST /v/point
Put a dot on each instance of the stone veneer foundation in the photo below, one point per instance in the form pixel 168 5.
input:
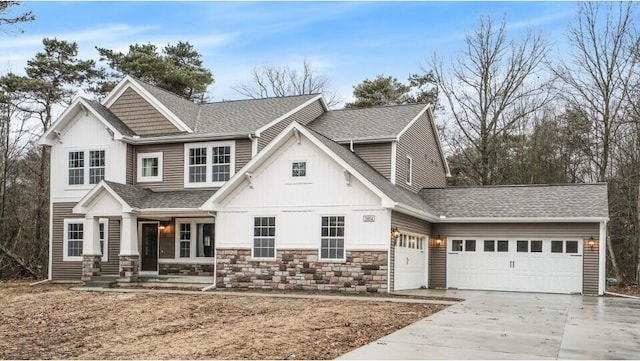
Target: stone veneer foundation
pixel 185 269
pixel 129 267
pixel 363 271
pixel 91 267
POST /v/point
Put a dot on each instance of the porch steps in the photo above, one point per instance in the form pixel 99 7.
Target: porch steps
pixel 102 282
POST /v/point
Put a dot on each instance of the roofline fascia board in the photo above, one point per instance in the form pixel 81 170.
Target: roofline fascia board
pixel 183 137
pixel 415 119
pixel 432 120
pixel 276 143
pixel 411 211
pixel 80 207
pixel 129 81
pixel 169 210
pixel 44 139
pixel 521 219
pixel 365 140
pixel 287 114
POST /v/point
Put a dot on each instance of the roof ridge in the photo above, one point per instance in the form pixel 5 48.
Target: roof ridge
pixel 258 99
pixel 382 106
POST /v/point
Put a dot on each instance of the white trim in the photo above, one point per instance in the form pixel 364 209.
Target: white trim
pixel 288 114
pixel 140 157
pixel 275 237
pixel 273 146
pixel 306 171
pixel 65 239
pixel 436 134
pixel 86 169
pixel 193 240
pixel 81 207
pixel 130 82
pixel 404 130
pixel 409 170
pixel 602 256
pixel 344 239
pixel 105 254
pixel 443 219
pixel 394 161
pixel 67 116
pixel 209 163
pixel 140 248
pixel 254 146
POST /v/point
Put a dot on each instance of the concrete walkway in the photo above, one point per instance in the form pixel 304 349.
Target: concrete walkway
pixel 502 325
pixel 265 294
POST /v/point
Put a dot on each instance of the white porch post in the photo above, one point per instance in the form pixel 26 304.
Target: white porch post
pixel 129 254
pixel 91 254
pixel 602 285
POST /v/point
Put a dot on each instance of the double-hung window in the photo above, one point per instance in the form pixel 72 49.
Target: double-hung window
pixel 264 237
pixel 195 239
pixel 209 164
pixel 74 237
pixel 86 167
pixel 150 167
pixel 332 238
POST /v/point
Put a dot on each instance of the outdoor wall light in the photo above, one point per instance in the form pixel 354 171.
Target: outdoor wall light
pixel 591 242
pixel 438 241
pixel 161 227
pixel 395 233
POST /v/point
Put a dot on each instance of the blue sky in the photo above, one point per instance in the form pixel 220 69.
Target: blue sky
pixel 347 41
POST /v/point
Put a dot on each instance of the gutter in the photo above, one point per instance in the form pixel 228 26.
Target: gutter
pixel 137 140
pixel 445 219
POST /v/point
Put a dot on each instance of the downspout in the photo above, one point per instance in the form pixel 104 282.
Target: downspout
pixel 40 282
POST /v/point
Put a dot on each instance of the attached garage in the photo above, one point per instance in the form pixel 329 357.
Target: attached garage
pixel 410 262
pixel 543 238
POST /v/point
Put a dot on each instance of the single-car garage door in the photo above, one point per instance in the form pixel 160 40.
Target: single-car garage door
pixel 409 270
pixel 532 265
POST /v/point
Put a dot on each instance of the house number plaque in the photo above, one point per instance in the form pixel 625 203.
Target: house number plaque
pixel 370 218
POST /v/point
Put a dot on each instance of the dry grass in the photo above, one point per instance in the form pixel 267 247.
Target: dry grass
pixel 49 321
pixel 628 290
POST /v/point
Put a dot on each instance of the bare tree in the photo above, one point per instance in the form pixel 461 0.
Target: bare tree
pixel 494 85
pixel 7 19
pixel 279 81
pixel 598 76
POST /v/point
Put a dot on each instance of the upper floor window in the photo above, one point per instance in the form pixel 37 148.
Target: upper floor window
pixel 209 164
pixel 150 167
pixel 299 169
pixel 409 169
pixel 80 171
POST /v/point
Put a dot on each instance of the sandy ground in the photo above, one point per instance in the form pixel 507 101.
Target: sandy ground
pixel 49 321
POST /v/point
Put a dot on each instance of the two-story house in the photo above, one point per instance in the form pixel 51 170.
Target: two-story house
pixel 284 193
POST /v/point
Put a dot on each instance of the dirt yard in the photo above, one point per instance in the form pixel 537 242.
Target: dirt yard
pixel 51 322
pixel 628 290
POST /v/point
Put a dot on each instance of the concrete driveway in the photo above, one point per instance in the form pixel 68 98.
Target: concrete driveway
pixel 504 325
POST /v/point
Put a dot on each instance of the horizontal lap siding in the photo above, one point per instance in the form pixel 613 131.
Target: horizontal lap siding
pixel 167 247
pixel 437 264
pixel 112 267
pixel 61 270
pixel 243 152
pixel 303 116
pixel 378 155
pixel 172 166
pixel 140 116
pixel 542 230
pixel 591 269
pixel 131 164
pixel 410 224
pixel 419 141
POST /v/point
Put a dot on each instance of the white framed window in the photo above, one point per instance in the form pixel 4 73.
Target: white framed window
pixel 86 167
pixel 299 169
pixel 195 239
pixel 332 238
pixel 208 164
pixel 409 169
pixel 150 167
pixel 264 238
pixel 73 239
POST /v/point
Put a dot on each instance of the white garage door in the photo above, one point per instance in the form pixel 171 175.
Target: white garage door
pixel 515 264
pixel 409 272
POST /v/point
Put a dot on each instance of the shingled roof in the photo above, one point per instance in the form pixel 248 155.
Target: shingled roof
pixel 522 201
pixel 366 123
pixel 226 117
pixel 142 198
pixel 110 117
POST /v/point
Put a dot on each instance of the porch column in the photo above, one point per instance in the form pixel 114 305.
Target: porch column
pixel 91 254
pixel 129 254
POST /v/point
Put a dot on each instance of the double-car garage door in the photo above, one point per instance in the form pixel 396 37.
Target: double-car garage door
pixel 533 265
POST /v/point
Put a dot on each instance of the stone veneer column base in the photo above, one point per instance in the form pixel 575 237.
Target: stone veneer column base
pixel 91 267
pixel 361 271
pixel 129 268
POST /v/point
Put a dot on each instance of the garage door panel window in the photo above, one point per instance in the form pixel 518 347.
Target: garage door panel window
pixel 503 246
pixel 523 246
pixel 490 246
pixel 536 246
pixel 571 246
pixel 470 245
pixel 556 246
pixel 456 245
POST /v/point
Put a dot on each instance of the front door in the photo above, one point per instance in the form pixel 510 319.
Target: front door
pixel 149 247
